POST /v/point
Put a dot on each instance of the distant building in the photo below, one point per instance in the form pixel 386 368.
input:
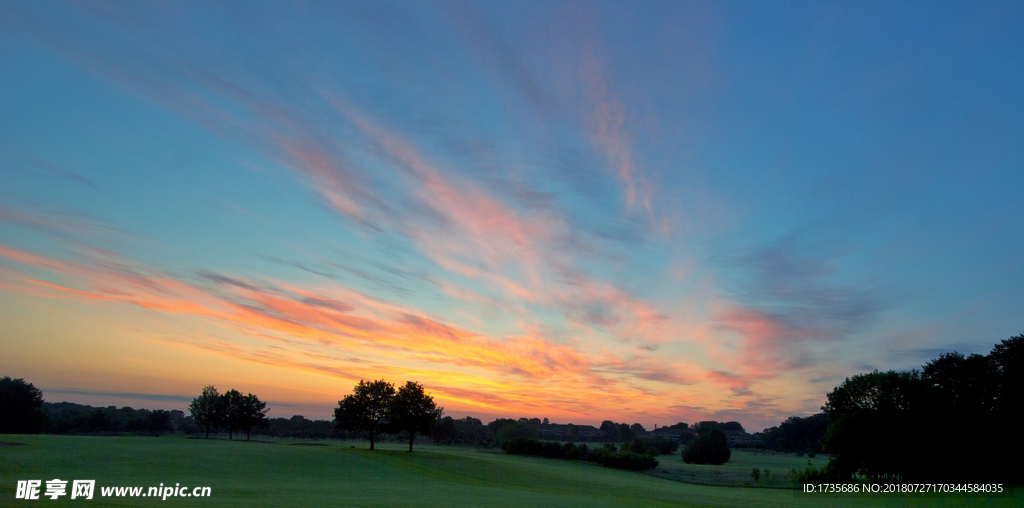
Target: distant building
pixel 740 439
pixel 568 432
pixel 673 433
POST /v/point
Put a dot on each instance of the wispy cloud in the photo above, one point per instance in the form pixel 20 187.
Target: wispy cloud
pixel 608 126
pixel 785 303
pixel 18 163
pixel 485 40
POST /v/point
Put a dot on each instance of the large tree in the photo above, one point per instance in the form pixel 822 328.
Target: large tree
pixel 1008 363
pixel 253 414
pixel 233 407
pixel 207 409
pixel 366 409
pixel 21 407
pixel 412 411
pixel 870 418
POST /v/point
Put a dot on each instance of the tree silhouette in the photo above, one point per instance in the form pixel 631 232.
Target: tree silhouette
pixel 366 409
pixel 206 409
pixel 253 414
pixel 1008 363
pixel 710 446
pixel 21 407
pixel 233 404
pixel 870 416
pixel 413 411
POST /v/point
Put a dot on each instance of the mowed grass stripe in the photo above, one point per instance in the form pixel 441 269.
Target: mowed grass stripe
pixel 259 474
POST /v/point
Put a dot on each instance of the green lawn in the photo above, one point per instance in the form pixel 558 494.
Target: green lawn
pixel 284 474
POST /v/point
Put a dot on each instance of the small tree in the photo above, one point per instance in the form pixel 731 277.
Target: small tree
pixel 366 409
pixel 21 407
pixel 206 409
pixel 412 411
pixel 710 446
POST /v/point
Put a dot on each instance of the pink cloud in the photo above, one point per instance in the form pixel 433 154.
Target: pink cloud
pixel 608 133
pixel 768 345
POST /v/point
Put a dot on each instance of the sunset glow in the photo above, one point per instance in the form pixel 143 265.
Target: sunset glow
pixel 582 211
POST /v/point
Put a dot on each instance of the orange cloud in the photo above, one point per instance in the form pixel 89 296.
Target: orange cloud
pixel 341 333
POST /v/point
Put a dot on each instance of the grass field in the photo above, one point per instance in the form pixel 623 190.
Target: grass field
pixel 736 472
pixel 285 474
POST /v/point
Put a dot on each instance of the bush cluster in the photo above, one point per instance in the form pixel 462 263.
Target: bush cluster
pixel 608 456
pixel 664 446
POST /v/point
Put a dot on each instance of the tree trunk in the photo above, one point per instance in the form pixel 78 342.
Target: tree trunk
pixel 207 431
pixel 247 434
pixel 371 439
pixel 231 433
pixel 412 435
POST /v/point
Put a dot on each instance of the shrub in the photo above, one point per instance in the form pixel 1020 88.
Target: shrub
pixel 828 474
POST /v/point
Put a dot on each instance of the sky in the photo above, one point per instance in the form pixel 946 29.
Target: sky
pixel 646 212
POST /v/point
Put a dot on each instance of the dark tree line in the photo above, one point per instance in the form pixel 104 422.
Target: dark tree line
pixel 620 432
pixel 796 434
pixel 231 411
pixel 471 431
pixel 954 420
pixel 466 431
pixel 635 456
pixel 23 411
pixel 298 427
pixel 70 418
pixel 78 419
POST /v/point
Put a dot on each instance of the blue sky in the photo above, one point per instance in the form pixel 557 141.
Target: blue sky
pixel 651 212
